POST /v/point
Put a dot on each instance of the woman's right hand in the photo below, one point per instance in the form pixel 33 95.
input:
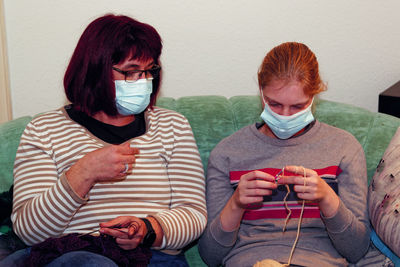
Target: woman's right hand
pixel 252 187
pixel 128 231
pixel 104 164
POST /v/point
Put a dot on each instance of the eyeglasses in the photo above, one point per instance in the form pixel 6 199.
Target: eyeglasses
pixel 132 76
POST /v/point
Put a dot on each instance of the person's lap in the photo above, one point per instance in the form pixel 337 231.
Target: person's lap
pixel 160 259
pixel 16 259
pixel 85 258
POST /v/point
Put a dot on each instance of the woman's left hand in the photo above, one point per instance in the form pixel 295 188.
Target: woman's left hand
pixel 128 231
pixel 310 186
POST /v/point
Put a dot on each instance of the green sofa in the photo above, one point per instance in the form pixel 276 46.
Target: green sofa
pixel 215 117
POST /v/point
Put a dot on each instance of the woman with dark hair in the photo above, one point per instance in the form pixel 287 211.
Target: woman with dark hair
pixel 290 191
pixel 110 178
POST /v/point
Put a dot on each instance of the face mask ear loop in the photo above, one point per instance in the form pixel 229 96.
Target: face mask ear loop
pixel 262 98
pixel 300 219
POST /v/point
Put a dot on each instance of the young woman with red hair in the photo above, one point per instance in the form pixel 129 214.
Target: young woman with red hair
pixel 290 190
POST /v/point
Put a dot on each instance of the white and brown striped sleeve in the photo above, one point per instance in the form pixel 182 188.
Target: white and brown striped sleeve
pixel 43 203
pixel 187 218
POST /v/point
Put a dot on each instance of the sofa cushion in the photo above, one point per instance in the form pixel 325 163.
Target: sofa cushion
pixel 10 133
pixel 211 119
pixel 372 129
pixel 384 196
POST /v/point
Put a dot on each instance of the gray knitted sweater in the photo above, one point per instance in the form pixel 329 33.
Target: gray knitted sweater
pixel 337 157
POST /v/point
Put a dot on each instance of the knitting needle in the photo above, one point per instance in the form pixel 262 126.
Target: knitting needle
pixel 94 231
pixel 91 232
pixel 135 226
pixel 277 175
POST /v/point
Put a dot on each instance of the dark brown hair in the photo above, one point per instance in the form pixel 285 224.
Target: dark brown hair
pixel 108 40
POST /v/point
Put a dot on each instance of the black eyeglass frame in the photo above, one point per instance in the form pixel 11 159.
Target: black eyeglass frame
pixel 153 71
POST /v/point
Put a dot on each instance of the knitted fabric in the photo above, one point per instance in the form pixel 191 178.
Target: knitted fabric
pixel 50 249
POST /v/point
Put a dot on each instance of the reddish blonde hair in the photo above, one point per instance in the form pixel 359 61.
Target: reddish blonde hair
pixel 292 61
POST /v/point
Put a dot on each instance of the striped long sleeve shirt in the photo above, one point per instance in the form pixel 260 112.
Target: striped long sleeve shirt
pixel 167 181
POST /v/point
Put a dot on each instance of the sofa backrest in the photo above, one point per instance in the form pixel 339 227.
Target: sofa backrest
pixel 215 117
pixel 10 133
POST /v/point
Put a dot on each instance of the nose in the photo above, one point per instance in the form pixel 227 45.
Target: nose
pixel 146 74
pixel 143 75
pixel 285 111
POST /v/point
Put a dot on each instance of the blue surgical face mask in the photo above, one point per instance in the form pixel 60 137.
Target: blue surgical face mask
pixel 286 126
pixel 132 98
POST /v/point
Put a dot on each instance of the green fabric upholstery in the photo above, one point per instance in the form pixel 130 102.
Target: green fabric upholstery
pixel 10 133
pixel 214 117
pixel 373 130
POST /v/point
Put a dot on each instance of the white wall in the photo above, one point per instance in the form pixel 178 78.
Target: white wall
pixel 211 47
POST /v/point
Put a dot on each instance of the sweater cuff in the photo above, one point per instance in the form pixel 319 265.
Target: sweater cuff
pixel 340 221
pixel 224 238
pixel 72 193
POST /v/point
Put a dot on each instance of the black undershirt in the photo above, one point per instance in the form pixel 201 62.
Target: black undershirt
pixel 107 132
